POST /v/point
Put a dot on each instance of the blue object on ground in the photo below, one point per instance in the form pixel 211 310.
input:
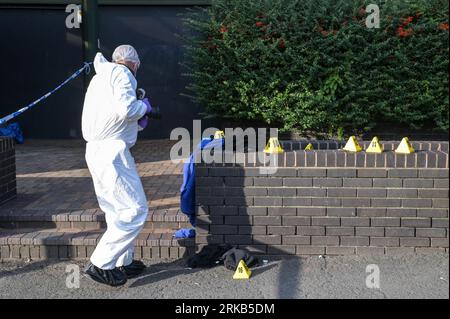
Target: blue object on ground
pixel 185 233
pixel 12 130
pixel 187 198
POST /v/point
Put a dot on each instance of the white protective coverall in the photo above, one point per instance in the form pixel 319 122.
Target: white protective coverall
pixel 109 125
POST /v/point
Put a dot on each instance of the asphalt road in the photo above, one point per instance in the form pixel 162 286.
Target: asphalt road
pixel 400 276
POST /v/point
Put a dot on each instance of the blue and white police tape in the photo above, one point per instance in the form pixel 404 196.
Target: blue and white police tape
pixel 86 67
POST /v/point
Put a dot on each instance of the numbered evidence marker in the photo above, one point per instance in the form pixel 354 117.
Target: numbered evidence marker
pixel 242 271
pixel 219 134
pixel 352 145
pixel 405 147
pixel 375 146
pixel 273 147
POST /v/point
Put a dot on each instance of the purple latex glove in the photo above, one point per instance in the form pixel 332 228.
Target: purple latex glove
pixel 143 122
pixel 148 105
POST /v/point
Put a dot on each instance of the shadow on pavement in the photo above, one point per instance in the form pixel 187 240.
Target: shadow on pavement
pixel 163 271
pixel 24 268
pixel 288 284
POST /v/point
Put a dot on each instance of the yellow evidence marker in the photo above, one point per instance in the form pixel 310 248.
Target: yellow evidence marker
pixel 219 134
pixel 242 271
pixel 405 147
pixel 375 146
pixel 273 147
pixel 352 145
pixel 309 147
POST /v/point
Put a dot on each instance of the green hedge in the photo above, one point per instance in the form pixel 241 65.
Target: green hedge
pixel 314 66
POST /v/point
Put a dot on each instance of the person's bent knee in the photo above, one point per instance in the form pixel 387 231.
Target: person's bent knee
pixel 132 220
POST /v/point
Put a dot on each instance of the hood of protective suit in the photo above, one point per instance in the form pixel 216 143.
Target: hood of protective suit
pixel 103 66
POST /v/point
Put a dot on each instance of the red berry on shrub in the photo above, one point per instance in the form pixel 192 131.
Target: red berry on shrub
pixel 259 24
pixel 443 26
pixel 362 11
pixel 408 21
pixel 402 33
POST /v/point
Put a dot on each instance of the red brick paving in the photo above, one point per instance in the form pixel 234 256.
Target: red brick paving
pixel 53 179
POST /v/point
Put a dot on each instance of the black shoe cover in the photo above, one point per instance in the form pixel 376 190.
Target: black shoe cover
pixel 134 269
pixel 113 277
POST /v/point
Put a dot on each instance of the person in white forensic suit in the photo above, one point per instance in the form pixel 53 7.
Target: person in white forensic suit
pixel 112 116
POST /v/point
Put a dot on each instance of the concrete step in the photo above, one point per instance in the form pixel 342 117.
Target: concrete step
pixel 89 219
pixel 38 244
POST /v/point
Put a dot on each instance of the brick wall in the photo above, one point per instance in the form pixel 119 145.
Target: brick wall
pixel 328 202
pixel 388 145
pixel 7 169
